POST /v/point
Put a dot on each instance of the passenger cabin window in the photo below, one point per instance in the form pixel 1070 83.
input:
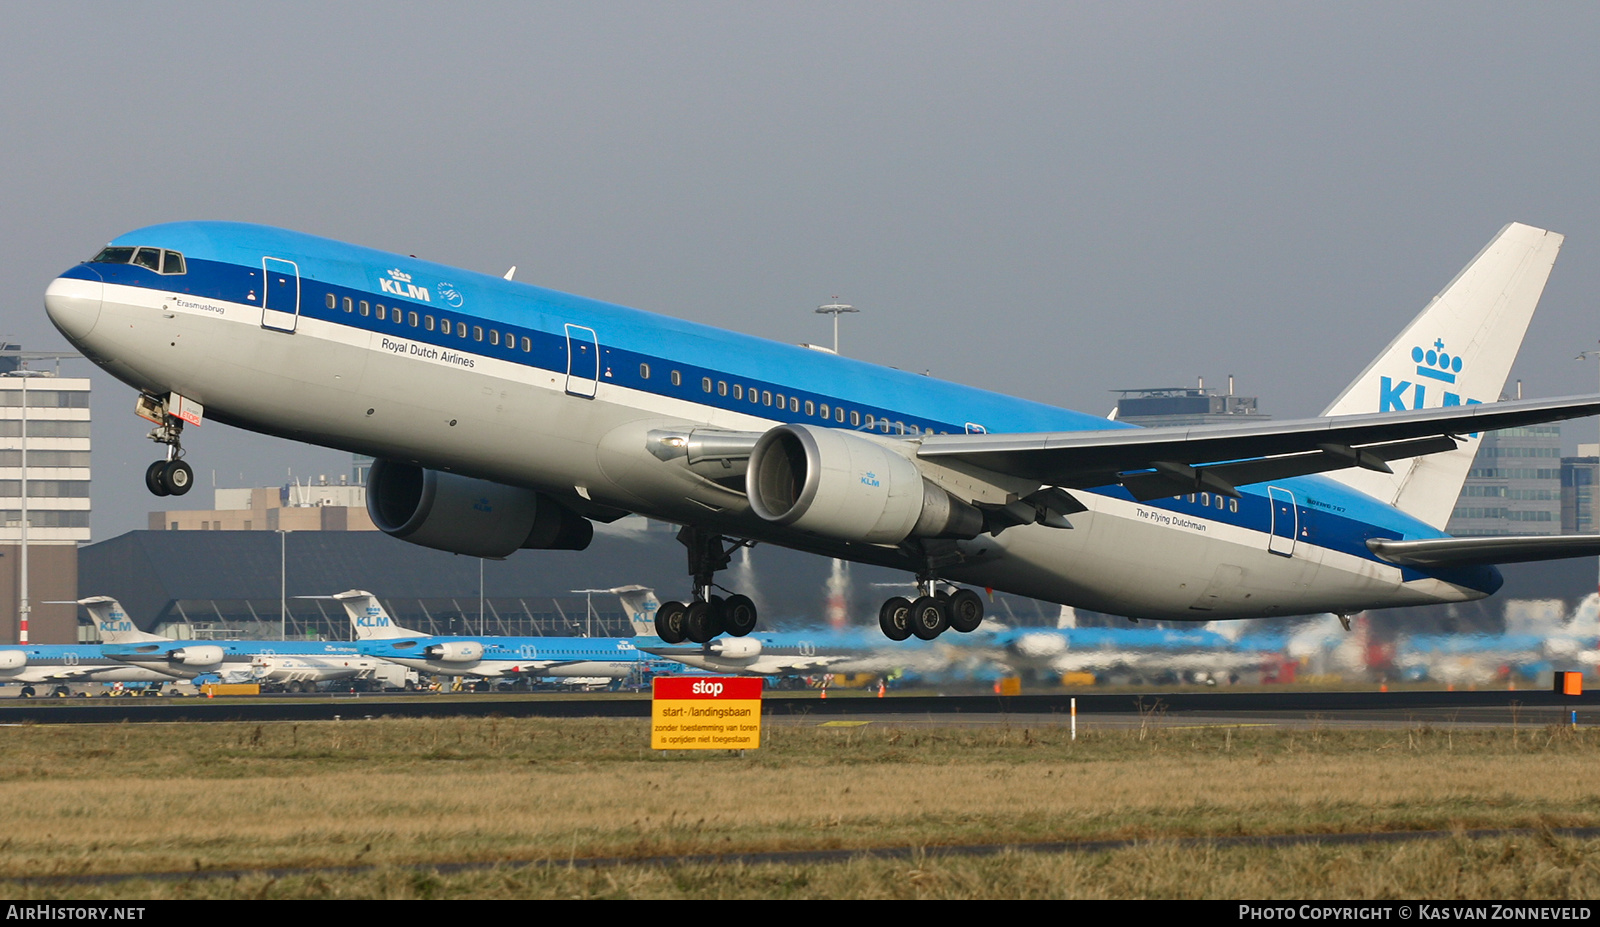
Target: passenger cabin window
pixel 838 415
pixel 722 388
pixel 461 330
pixel 794 404
pixel 738 391
pixel 366 308
pixel 477 333
pixel 705 384
pixel 677 378
pixel 332 301
pixel 855 419
pixel 494 336
pixel 527 344
pixel 413 318
pixel 427 322
pixel 644 371
pixel 380 312
pixel 349 304
pixel 766 398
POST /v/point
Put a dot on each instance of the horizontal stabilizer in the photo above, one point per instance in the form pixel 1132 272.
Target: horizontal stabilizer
pixel 1437 553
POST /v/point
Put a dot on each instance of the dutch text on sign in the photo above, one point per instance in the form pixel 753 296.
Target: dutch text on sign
pixel 690 713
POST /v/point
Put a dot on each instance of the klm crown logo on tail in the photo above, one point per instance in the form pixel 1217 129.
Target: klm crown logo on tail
pixel 1434 363
pixel 374 618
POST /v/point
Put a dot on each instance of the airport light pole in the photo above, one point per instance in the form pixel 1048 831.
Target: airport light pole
pixel 1594 487
pixel 23 607
pixel 836 309
pixel 588 609
pixel 283 585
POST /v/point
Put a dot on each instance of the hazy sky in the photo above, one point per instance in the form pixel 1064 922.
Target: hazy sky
pixel 1050 199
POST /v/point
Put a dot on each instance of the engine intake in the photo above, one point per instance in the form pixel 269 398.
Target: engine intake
pixel 469 516
pixel 735 647
pixel 841 485
pixel 456 651
pixel 203 655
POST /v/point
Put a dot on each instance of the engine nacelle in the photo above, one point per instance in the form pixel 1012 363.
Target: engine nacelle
pixel 202 655
pixel 841 485
pixel 456 651
pixel 735 647
pixel 1039 646
pixel 13 659
pixel 468 516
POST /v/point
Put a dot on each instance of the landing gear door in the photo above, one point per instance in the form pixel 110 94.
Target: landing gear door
pixel 583 361
pixel 1285 521
pixel 280 294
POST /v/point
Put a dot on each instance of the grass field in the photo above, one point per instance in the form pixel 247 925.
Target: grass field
pixel 395 794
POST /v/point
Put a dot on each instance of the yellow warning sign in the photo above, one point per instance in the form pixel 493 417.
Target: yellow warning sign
pixel 701 713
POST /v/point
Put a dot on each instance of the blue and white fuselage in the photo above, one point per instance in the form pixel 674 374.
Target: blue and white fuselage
pixel 580 409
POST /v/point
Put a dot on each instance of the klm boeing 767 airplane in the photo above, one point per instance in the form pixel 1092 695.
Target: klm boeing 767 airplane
pixel 504 416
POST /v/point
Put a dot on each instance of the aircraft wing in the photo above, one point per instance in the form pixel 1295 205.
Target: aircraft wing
pixel 1155 462
pixel 1439 553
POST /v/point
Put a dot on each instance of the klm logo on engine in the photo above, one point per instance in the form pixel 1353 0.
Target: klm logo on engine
pixel 481 504
pixel 399 283
pixel 1433 363
pixel 870 479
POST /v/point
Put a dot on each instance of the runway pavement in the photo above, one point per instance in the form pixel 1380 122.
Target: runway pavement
pixel 1275 707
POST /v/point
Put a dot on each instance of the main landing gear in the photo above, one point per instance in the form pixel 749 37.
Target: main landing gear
pixel 929 614
pixel 169 477
pixel 707 615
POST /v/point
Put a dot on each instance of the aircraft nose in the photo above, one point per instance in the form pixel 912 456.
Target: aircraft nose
pixel 73 302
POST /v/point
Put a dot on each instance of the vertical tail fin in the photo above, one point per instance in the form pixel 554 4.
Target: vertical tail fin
pixel 640 603
pixel 113 623
pixel 368 618
pixel 1457 351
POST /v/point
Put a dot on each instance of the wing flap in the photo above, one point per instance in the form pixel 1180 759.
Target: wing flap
pixel 1219 457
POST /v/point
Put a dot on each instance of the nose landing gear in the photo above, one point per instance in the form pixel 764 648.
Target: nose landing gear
pixel 169 477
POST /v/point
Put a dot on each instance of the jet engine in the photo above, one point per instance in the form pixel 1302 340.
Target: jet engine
pixel 12 659
pixel 456 651
pixel 203 655
pixel 468 516
pixel 735 647
pixel 845 486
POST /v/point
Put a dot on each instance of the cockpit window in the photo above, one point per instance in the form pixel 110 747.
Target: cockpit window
pixel 157 259
pixel 113 255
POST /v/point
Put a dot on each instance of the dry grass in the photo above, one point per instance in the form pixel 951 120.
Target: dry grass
pixel 394 793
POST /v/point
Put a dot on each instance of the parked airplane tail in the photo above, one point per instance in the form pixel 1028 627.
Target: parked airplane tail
pixel 114 625
pixel 1457 351
pixel 640 603
pixel 368 617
